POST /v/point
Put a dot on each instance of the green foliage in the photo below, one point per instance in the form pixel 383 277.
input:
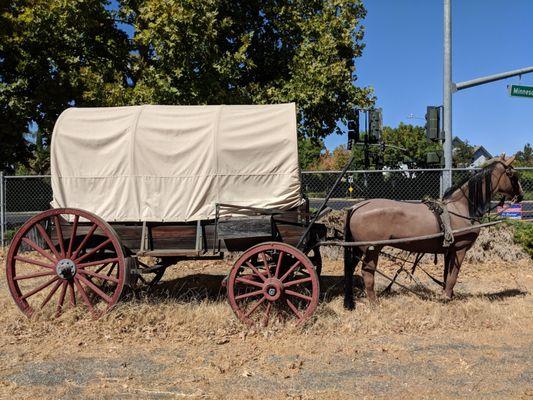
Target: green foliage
pixel 463 153
pixel 57 53
pixel 50 53
pixel 408 145
pixel 524 235
pixel 309 150
pixel 226 51
pixel 524 158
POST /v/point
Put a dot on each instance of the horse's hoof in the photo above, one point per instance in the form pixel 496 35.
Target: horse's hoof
pixel 349 305
pixel 446 298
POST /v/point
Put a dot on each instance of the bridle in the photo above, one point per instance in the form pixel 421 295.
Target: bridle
pixel 511 174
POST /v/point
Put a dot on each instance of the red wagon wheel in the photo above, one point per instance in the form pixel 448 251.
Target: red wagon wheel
pixel 65 257
pixel 273 281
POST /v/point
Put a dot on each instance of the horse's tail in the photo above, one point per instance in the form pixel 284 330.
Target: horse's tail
pixel 348 250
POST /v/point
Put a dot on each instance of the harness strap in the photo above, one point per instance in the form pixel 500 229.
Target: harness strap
pixel 443 217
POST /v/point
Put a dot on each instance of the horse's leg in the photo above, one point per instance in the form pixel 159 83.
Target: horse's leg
pixel 351 258
pixel 446 268
pixel 454 265
pixel 370 263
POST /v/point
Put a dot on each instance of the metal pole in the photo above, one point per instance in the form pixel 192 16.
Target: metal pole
pixel 492 78
pixel 447 101
pixel 2 209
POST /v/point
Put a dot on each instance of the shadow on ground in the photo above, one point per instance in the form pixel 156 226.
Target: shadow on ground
pixel 199 287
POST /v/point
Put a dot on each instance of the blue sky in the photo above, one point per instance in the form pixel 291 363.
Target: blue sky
pixel 403 62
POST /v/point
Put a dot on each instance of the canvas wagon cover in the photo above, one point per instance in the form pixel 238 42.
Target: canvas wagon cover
pixel 174 163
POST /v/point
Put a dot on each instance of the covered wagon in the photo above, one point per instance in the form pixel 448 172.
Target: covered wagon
pixel 171 183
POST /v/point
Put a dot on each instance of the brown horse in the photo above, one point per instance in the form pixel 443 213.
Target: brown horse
pixel 382 219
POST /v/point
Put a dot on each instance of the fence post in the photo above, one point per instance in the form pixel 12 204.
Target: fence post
pixel 2 210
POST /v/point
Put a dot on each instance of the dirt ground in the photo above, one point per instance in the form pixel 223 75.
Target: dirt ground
pixel 181 340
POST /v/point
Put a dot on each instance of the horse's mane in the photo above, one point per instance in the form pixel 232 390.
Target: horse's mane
pixel 478 202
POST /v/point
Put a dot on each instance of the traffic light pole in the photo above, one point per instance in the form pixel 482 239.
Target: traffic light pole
pixel 450 88
pixel 446 180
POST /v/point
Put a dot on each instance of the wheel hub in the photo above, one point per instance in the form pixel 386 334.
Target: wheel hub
pixel 66 268
pixel 273 289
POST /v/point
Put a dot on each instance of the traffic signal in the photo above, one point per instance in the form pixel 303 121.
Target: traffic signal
pixel 353 130
pixel 433 123
pixel 376 125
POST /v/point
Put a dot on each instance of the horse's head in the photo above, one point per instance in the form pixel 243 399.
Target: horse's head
pixel 505 179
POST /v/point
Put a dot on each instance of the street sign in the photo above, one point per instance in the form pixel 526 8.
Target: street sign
pixel 520 91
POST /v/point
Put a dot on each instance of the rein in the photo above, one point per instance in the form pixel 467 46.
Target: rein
pixel 472 205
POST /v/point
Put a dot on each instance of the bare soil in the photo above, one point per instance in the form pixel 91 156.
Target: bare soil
pixel 181 340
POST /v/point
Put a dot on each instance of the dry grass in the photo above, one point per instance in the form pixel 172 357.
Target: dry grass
pixel 182 340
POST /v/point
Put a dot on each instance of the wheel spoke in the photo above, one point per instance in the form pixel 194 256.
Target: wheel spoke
pixel 256 271
pixel 93 263
pixel 93 251
pixel 100 276
pixel 296 294
pixel 54 289
pixel 246 295
pixel 267 314
pixel 39 249
pixel 111 269
pixel 33 262
pixel 297 281
pixel 29 276
pixel 95 289
pixel 48 241
pixel 294 309
pixel 59 233
pixel 99 269
pixel 249 282
pixel 39 288
pixel 278 266
pixel 84 241
pixel 265 262
pixel 84 296
pixel 290 271
pixel 257 304
pixel 61 298
pixel 73 235
pixel 72 294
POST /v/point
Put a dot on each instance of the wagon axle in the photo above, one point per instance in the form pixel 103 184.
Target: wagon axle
pixel 66 268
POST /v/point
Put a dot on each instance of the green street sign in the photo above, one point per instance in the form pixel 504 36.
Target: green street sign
pixel 521 91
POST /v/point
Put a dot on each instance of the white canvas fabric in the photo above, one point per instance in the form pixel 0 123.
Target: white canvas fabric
pixel 174 163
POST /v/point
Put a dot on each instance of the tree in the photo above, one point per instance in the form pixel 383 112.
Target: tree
pixel 251 51
pixel 524 158
pixel 332 161
pixel 463 153
pixel 309 151
pixel 406 144
pixel 51 53
pixel 57 53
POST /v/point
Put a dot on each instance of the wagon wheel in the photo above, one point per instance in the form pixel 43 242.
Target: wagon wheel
pixel 273 281
pixel 53 264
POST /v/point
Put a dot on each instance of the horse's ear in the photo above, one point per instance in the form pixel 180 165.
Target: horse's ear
pixel 502 156
pixel 510 160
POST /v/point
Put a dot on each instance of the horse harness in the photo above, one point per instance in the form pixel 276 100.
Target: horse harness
pixel 443 217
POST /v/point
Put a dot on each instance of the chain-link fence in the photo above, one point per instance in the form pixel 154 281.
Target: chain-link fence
pixel 21 197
